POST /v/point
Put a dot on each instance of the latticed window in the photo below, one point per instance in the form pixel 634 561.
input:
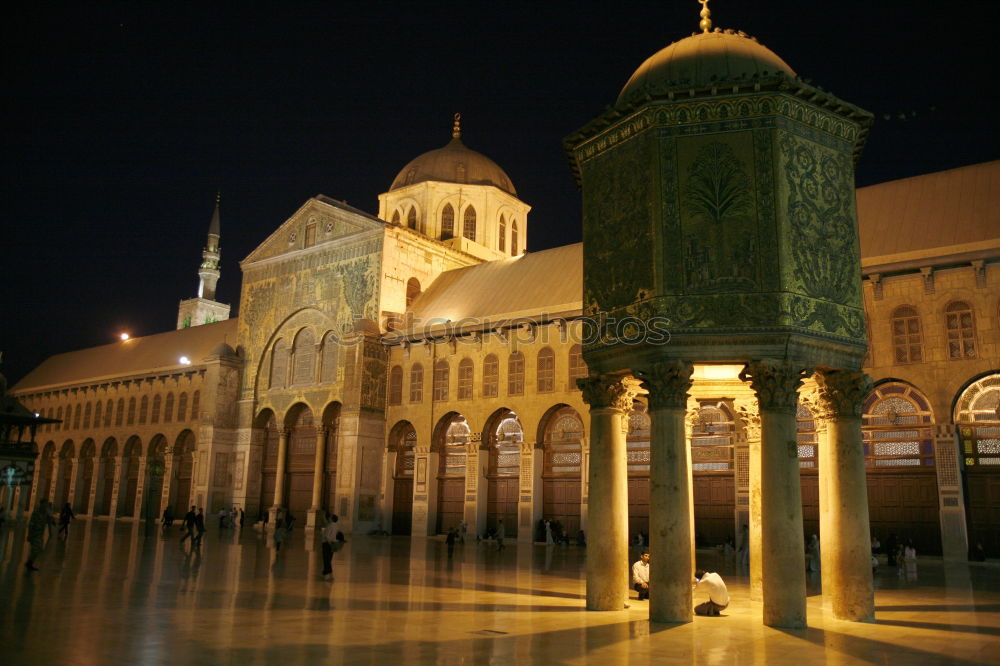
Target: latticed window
pixel 491 376
pixel 182 406
pixel 279 364
pixel 155 416
pixel 546 370
pixel 505 455
pixel 712 438
pixel 502 241
pixel 897 427
pixel 469 223
pixel 168 408
pixel 396 385
pixel 405 457
pixel 515 374
pixel 907 341
pixel 978 417
pixel 456 437
pixel 465 377
pixel 513 237
pixel 577 366
pixel 805 435
pixel 328 366
pixel 441 378
pixel 961 331
pixel 143 409
pixel 305 358
pixel 416 383
pixel 637 440
pixel 563 435
pixel 447 222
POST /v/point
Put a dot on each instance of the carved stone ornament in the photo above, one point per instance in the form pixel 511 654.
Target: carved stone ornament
pixel 843 392
pixel 607 392
pixel 668 383
pixel 749 415
pixel 776 383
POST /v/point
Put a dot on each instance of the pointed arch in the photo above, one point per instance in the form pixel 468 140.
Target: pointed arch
pixel 447 222
pixel 469 223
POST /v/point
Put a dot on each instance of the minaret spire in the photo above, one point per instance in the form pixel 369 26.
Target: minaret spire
pixel 208 272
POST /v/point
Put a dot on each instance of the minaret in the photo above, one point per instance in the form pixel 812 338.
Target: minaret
pixel 209 269
pixel 204 309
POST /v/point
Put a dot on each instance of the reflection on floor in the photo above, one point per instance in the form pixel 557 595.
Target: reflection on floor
pixel 113 593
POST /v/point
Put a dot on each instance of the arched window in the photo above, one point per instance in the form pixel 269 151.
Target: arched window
pixel 977 415
pixel 469 223
pixel 546 370
pixel 279 364
pixel 304 371
pixel 491 376
pixel 502 240
pixel 395 217
pixel 59 415
pixel 961 331
pixel 513 238
pixel 907 340
pixel 328 371
pixel 515 374
pixel 396 385
pixel 897 427
pixel 411 218
pixel 412 290
pixel 143 409
pixel 109 408
pixel 417 383
pixel 155 416
pixel 86 415
pixel 120 413
pixel 131 411
pixel 76 417
pixel 577 366
pixel 195 399
pixel 97 414
pixel 182 406
pixel 168 408
pixel 441 380
pixel 447 222
pixel 465 374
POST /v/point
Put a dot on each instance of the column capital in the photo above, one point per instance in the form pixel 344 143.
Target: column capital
pixel 607 392
pixel 776 383
pixel 748 413
pixel 842 392
pixel 668 383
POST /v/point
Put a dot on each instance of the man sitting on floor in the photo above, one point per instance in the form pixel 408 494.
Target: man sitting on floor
pixel 718 595
pixel 640 575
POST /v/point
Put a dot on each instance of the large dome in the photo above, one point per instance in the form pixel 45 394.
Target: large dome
pixel 454 164
pixel 703 60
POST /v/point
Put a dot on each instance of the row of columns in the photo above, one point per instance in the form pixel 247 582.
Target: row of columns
pixel 775 504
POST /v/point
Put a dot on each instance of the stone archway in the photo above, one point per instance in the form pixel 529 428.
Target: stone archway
pixel 452 437
pixel 403 442
pixel 502 437
pixel 562 481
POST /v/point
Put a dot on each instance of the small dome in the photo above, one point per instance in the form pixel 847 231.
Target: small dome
pixel 703 60
pixel 454 164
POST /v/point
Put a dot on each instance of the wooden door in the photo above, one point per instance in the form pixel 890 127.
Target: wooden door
pixel 809 480
pixel 714 507
pixel 638 506
pixel 983 484
pixel 451 503
pixel 905 502
pixel 501 504
pixel 561 502
pixel 402 505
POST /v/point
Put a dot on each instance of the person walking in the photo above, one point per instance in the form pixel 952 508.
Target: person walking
pixel 40 520
pixel 501 533
pixel 450 540
pixel 65 517
pixel 242 518
pixel 199 526
pixel 329 543
pixel 640 575
pixel 189 519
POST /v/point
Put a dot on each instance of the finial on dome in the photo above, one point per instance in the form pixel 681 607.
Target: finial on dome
pixel 456 130
pixel 706 22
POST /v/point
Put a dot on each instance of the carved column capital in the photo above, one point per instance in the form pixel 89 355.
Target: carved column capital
pixel 607 392
pixel 842 392
pixel 749 415
pixel 667 382
pixel 776 383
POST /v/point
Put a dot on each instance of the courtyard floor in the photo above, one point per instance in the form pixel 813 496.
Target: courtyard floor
pixel 115 593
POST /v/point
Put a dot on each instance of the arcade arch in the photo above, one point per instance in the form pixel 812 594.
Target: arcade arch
pixel 502 439
pixel 977 419
pixel 451 439
pixel 562 468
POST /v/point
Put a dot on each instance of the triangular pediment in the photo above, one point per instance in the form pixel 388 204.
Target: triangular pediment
pixel 319 221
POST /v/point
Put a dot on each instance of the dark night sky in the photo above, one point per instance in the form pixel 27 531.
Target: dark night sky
pixel 122 120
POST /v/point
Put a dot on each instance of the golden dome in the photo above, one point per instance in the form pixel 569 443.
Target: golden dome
pixel 454 163
pixel 704 60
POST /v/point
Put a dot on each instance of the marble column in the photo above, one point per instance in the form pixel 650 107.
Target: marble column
pixel 314 517
pixel 610 399
pixel 670 535
pixel 279 479
pixel 783 579
pixel 749 414
pixel 847 573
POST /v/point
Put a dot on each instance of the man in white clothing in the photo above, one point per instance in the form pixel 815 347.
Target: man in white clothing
pixel 640 575
pixel 718 595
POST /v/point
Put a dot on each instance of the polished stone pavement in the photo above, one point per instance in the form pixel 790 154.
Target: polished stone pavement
pixel 113 593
